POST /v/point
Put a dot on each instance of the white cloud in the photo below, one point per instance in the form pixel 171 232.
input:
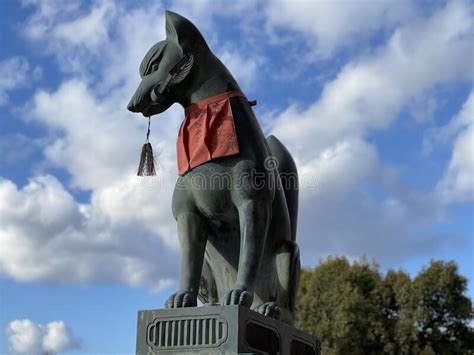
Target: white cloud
pixel 442 135
pixel 245 69
pixel 26 337
pixel 136 29
pixel 47 236
pixel 46 13
pixel 118 236
pixel 61 29
pixel 82 41
pixel 90 30
pixel 16 72
pixel 58 338
pixel 359 206
pixel 96 143
pixel 331 25
pixel 369 92
pixel 457 183
pixel 200 12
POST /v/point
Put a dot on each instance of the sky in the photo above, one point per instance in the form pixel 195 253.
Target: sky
pixel 374 100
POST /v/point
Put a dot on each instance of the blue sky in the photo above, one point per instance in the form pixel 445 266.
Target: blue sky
pixel 373 98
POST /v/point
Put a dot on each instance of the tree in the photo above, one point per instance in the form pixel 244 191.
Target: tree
pixel 441 310
pixel 397 308
pixel 340 303
pixel 356 310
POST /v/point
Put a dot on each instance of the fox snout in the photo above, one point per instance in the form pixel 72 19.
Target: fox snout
pixel 139 102
pixel 141 98
pixel 146 102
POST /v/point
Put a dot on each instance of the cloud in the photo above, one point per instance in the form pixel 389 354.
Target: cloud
pixel 77 40
pixel 359 205
pixel 58 338
pixel 96 143
pixel 369 92
pixel 16 72
pixel 457 183
pixel 113 38
pixel 90 30
pixel 126 225
pixel 46 13
pixel 24 336
pixel 201 11
pixel 27 337
pixel 332 25
pixel 114 238
pixel 245 69
pixel 47 236
pixel 440 136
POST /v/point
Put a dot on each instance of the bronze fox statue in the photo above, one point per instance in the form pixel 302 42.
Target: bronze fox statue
pixel 237 239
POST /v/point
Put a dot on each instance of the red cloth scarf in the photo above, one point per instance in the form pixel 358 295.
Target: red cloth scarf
pixel 207 132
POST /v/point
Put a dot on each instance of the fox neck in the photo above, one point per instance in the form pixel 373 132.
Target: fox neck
pixel 209 77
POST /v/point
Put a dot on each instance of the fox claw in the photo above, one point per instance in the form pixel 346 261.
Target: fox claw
pixel 181 299
pixel 238 297
pixel 269 309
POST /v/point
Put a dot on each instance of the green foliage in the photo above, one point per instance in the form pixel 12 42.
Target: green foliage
pixel 354 309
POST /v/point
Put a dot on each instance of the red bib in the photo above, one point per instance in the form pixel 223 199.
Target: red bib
pixel 207 132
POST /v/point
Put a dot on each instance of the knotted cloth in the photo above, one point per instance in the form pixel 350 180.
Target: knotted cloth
pixel 207 132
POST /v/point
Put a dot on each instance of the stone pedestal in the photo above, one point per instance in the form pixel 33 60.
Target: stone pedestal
pixel 219 330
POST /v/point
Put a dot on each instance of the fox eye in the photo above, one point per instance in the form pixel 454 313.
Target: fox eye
pixel 154 67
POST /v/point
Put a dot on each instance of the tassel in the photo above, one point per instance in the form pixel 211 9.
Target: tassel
pixel 147 161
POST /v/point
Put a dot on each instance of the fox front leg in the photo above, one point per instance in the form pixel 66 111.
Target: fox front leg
pixel 254 218
pixel 192 240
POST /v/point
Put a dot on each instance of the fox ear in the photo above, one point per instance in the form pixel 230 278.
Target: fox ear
pixel 170 27
pixel 181 31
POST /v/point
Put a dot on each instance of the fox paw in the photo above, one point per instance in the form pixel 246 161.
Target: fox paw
pixel 238 297
pixel 269 309
pixel 181 299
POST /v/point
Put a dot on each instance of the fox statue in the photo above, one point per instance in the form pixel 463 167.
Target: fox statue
pixel 236 197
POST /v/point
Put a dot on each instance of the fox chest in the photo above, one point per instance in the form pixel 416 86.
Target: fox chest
pixel 208 192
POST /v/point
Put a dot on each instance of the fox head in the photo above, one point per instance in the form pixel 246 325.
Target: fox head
pixel 167 66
